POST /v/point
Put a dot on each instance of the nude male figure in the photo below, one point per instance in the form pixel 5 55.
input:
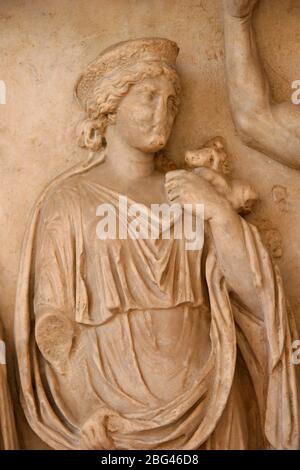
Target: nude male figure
pixel 272 128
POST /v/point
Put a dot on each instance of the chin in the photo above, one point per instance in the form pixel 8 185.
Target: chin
pixel 154 146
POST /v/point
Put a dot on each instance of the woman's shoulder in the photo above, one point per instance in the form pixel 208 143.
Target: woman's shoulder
pixel 62 197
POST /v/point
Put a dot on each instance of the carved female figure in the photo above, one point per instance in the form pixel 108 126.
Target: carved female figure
pixel 141 344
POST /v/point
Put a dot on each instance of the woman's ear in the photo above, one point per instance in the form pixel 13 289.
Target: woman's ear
pixel 111 119
pixel 90 134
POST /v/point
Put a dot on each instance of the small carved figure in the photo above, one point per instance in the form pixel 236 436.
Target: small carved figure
pixel 213 156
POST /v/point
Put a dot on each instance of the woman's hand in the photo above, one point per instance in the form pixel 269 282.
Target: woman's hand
pixel 239 8
pixel 54 334
pixel 186 187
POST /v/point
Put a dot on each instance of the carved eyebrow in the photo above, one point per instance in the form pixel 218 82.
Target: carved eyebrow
pixel 149 87
pixel 146 87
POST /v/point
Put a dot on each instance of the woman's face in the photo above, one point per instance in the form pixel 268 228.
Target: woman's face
pixel 146 114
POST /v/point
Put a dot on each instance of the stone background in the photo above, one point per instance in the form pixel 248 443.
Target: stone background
pixel 45 44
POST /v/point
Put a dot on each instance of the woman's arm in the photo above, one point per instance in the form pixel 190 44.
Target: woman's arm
pixel 227 233
pixel 54 334
pixel 271 128
pixel 229 241
pixel 54 282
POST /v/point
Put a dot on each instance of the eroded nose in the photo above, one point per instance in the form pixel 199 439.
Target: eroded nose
pixel 161 113
pixel 158 141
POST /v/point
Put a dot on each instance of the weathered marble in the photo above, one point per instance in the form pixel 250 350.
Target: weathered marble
pixel 45 45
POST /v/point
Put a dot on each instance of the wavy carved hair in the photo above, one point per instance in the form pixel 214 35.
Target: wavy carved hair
pixel 102 106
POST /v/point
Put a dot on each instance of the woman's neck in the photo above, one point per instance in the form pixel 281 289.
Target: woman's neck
pixel 128 162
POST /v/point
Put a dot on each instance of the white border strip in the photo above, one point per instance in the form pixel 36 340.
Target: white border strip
pixel 2 352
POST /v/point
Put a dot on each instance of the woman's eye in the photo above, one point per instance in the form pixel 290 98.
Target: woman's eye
pixel 149 96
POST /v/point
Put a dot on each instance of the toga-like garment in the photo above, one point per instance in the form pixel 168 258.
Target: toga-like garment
pixel 163 356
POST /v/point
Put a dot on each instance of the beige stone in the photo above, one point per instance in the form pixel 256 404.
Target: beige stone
pixel 78 311
pixel 148 331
